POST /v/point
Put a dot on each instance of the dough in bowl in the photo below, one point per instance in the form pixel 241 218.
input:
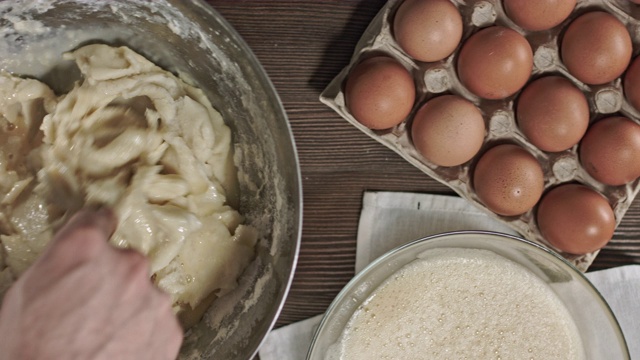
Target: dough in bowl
pixel 137 139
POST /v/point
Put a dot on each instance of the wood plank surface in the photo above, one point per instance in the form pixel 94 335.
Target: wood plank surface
pixel 303 45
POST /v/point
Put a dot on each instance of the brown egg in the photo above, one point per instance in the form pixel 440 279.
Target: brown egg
pixel 379 92
pixel 495 62
pixel 575 219
pixel 508 180
pixel 538 15
pixel 610 150
pixel 448 130
pixel 632 83
pixel 552 113
pixel 427 30
pixel 596 48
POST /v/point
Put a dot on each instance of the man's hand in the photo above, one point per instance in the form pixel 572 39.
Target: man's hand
pixel 84 299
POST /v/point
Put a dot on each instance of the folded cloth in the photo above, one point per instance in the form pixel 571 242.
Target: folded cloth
pixel 620 287
pixel 290 342
pixel 391 219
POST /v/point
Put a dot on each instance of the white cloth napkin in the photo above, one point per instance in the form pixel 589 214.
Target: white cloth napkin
pixel 390 219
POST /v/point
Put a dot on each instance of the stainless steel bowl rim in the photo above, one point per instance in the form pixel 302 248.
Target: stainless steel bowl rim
pixel 276 100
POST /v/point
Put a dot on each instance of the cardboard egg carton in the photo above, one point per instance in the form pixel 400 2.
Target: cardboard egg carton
pixel 437 78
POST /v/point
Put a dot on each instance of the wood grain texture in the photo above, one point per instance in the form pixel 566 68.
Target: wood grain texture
pixel 303 45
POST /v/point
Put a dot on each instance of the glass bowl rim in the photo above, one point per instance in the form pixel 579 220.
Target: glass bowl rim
pixel 349 287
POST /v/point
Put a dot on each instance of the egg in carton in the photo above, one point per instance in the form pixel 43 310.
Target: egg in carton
pixel 434 79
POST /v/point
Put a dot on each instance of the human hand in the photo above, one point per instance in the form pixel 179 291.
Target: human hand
pixel 85 299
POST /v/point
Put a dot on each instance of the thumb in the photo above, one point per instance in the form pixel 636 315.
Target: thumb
pixel 102 219
pixel 81 240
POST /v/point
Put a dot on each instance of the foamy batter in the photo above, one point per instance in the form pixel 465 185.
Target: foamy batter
pixel 461 304
pixel 138 139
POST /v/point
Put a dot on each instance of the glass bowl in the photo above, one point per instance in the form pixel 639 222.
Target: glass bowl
pixel 189 38
pixel 598 329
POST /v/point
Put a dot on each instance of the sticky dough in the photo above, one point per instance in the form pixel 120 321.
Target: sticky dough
pixel 138 139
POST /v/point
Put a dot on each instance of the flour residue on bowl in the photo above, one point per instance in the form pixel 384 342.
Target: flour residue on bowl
pixel 42 44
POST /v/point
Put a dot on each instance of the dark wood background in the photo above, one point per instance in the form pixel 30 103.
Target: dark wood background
pixel 303 45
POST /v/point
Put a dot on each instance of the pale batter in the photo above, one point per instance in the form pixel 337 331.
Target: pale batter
pixel 138 139
pixel 461 304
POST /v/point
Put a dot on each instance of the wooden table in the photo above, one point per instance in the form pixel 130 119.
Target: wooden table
pixel 303 45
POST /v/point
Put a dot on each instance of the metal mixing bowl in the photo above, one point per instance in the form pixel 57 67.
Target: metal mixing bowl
pixel 190 39
pixel 596 324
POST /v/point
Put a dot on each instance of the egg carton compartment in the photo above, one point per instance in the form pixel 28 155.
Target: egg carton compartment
pixel 439 78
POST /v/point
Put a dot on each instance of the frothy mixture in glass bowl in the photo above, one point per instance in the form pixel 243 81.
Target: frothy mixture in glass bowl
pixel 469 295
pixel 461 304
